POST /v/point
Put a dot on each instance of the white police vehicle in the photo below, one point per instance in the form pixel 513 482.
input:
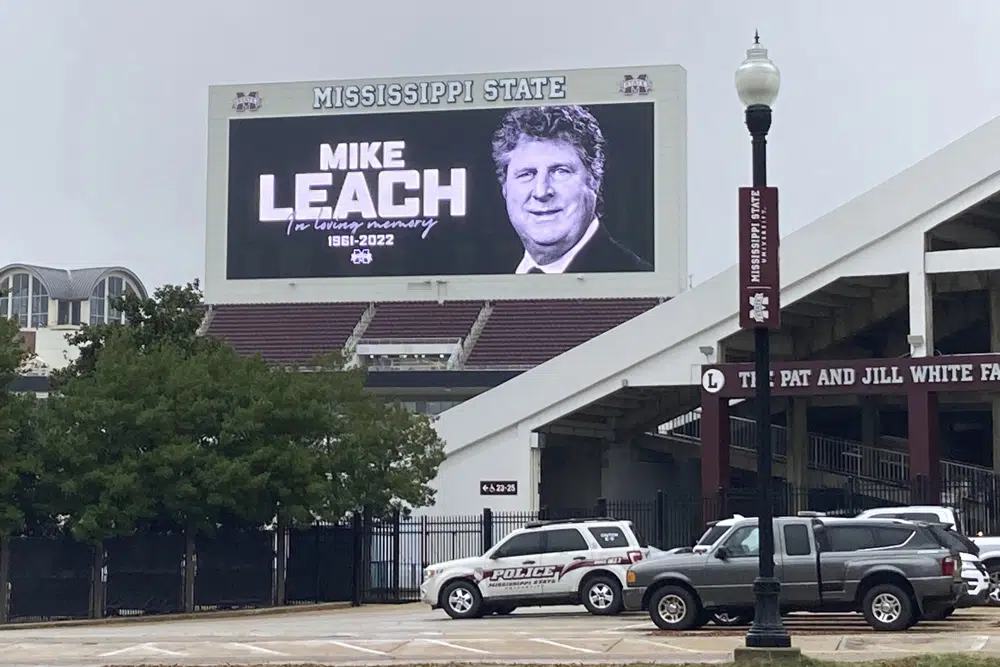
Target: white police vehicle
pixel 574 561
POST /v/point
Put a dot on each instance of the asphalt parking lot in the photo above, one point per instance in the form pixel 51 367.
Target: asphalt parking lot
pixel 412 633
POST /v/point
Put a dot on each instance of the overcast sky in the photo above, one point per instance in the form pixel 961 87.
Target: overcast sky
pixel 102 120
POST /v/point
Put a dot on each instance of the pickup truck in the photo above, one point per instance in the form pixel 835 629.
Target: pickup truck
pixel 893 572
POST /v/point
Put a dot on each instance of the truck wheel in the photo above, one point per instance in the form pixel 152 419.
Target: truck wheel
pixel 674 608
pixel 887 607
pixel 462 599
pixel 602 596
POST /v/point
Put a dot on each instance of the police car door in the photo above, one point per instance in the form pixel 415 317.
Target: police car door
pixel 514 569
pixel 567 554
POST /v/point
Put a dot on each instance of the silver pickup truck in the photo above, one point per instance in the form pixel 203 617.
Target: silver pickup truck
pixel 893 572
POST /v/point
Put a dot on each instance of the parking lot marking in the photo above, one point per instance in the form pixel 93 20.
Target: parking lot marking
pixel 670 646
pixel 140 647
pixel 355 648
pixel 255 649
pixel 454 646
pixel 979 643
pixel 563 646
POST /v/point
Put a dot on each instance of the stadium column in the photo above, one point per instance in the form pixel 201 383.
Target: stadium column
pixel 994 290
pixel 922 405
pixel 797 452
pixel 714 454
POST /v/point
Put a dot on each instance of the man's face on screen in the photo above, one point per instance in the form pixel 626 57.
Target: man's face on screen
pixel 549 197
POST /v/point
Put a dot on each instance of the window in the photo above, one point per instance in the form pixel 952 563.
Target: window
pixel 105 292
pixel 565 539
pixel 97 299
pixel 39 304
pixel 797 540
pixel 609 537
pixel 25 299
pixel 69 312
pixel 522 544
pixel 712 536
pixel 744 541
pixel 5 298
pixel 892 536
pixel 850 538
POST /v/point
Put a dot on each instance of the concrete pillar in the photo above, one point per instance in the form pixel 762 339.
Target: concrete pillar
pixel 714 454
pixel 797 454
pixel 995 347
pixel 923 436
pixel 921 314
pixel 871 430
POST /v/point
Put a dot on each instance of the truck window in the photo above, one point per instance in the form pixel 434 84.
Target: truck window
pixel 712 536
pixel 797 540
pixel 850 538
pixel 744 541
pixel 892 536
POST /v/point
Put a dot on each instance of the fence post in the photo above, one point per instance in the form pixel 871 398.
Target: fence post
pixel 487 529
pixel 396 556
pixel 543 513
pixel 661 519
pixel 357 558
pixel 4 578
pixel 602 507
pixel 849 495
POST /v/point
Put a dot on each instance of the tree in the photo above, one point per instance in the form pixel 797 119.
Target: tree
pixel 20 468
pixel 172 314
pixel 377 455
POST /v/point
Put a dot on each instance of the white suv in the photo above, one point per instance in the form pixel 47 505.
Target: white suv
pixel 576 561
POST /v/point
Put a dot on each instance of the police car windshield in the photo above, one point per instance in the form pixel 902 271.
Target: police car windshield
pixel 712 536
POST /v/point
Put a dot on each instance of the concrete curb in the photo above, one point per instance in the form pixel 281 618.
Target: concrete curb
pixel 187 616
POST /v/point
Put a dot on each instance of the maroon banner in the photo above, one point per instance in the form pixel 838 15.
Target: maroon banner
pixel 760 287
pixel 966 372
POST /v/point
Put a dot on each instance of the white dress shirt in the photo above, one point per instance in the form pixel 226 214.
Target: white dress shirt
pixel 559 266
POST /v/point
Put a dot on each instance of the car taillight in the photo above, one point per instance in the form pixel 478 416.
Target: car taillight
pixel 948 566
pixel 634 556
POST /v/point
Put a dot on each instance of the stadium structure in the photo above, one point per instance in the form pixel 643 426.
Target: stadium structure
pixel 615 384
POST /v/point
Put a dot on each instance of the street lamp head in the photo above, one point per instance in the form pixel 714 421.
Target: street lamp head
pixel 757 78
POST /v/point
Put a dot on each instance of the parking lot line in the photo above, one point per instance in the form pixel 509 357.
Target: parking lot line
pixel 355 648
pixel 563 646
pixel 141 647
pixel 454 646
pixel 255 649
pixel 668 646
pixel 979 643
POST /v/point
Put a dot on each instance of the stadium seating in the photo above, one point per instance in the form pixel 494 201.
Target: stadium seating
pixel 527 333
pixel 422 320
pixel 286 333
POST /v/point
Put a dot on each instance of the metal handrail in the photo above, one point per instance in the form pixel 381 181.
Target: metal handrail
pixel 832 454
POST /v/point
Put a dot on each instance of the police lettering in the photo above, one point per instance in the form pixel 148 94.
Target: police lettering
pixel 520 573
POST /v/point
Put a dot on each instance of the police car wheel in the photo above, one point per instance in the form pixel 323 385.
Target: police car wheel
pixel 462 599
pixel 602 596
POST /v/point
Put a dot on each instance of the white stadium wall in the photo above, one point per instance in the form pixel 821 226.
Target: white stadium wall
pixel 386 189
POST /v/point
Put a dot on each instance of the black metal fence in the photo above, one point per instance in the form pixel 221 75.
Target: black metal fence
pixel 371 560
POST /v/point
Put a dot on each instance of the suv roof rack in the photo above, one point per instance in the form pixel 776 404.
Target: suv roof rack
pixel 552 522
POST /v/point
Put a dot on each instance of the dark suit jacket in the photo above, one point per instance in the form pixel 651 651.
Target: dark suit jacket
pixel 603 254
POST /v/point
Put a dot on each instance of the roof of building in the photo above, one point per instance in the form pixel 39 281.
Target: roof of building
pixel 74 284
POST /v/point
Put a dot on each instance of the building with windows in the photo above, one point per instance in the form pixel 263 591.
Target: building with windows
pixel 48 303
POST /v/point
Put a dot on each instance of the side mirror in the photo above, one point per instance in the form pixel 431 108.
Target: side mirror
pixel 721 553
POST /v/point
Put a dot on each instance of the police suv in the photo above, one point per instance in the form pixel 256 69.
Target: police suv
pixel 575 561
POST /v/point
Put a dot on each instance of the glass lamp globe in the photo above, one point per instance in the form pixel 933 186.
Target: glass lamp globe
pixel 757 78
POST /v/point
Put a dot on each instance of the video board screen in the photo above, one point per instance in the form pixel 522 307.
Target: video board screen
pixel 546 189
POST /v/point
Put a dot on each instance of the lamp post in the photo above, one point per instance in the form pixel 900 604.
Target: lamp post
pixel 757 83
